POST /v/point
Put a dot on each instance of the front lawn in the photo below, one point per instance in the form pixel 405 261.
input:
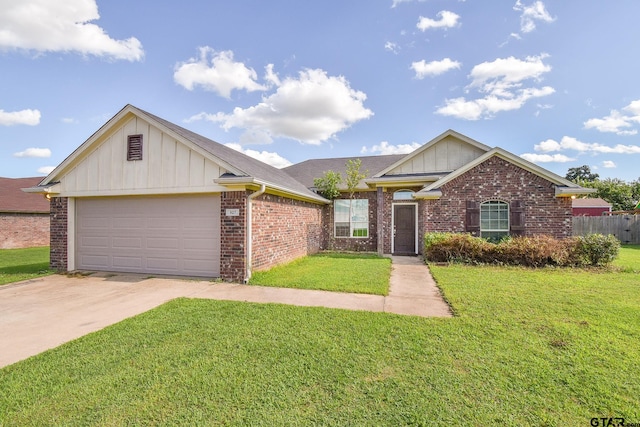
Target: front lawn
pixel 331 271
pixel 629 258
pixel 23 264
pixel 528 347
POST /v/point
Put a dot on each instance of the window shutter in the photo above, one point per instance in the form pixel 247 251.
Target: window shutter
pixel 472 223
pixel 517 218
pixel 134 147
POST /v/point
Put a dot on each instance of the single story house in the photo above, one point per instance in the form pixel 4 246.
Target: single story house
pixel 145 195
pixel 590 207
pixel 24 218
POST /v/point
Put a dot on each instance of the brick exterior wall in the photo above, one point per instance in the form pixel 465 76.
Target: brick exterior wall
pixel 233 236
pixel 58 230
pixel 357 244
pixel 283 230
pixel 497 179
pixel 23 230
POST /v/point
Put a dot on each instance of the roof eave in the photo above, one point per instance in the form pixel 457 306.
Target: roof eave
pixel 562 191
pixel 254 183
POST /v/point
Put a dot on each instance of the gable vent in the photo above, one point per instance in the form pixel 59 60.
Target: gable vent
pixel 134 147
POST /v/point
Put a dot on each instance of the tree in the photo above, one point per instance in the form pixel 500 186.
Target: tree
pixel 581 174
pixel 622 195
pixel 327 185
pixel 354 176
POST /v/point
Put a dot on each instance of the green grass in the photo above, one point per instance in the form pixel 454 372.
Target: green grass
pixel 629 259
pixel 527 347
pixel 338 272
pixel 23 264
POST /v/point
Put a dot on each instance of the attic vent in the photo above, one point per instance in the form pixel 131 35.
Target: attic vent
pixel 134 147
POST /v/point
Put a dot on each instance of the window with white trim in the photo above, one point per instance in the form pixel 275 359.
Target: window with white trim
pixel 351 218
pixel 494 220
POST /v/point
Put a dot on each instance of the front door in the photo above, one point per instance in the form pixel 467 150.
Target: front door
pixel 404 229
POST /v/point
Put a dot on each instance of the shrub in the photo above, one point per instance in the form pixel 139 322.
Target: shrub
pixel 598 249
pixel 529 251
pixel 450 247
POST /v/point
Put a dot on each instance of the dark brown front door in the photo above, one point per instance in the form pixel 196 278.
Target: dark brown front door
pixel 404 229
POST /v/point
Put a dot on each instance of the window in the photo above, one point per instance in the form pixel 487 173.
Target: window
pixel 494 220
pixel 351 218
pixel 403 195
pixel 134 147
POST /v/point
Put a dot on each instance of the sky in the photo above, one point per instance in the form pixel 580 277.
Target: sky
pixel 553 81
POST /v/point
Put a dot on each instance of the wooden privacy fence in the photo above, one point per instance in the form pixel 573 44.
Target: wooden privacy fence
pixel 625 227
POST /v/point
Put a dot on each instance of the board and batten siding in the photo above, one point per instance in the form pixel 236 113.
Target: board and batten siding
pixel 446 155
pixel 167 166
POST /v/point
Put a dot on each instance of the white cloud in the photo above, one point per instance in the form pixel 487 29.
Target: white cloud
pixel 271 76
pixel 618 122
pixel 222 76
pixel 501 81
pixel 61 26
pixel 609 164
pixel 447 19
pixel 532 14
pixel 385 148
pixel 397 2
pixel 570 143
pixel 22 117
pixel 34 152
pixel 434 68
pixel 46 170
pixel 547 158
pixel 391 47
pixel 69 120
pixel 311 108
pixel 273 159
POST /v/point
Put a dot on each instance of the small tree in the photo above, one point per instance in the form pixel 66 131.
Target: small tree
pixel 327 184
pixel 354 176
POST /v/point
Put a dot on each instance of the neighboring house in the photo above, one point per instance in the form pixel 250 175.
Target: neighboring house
pixel 24 218
pixel 590 207
pixel 145 195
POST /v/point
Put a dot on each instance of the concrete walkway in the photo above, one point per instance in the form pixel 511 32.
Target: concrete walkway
pixel 44 313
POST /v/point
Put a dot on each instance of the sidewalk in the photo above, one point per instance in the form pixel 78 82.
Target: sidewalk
pixel 41 314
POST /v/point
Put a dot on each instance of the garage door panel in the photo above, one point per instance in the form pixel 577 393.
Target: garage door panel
pixel 94 260
pixel 127 243
pixel 125 262
pixel 164 235
pixel 96 242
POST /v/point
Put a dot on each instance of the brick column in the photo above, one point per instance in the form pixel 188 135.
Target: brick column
pixel 58 230
pixel 380 208
pixel 233 232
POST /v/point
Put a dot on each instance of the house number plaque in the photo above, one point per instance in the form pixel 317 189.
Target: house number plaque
pixel 233 212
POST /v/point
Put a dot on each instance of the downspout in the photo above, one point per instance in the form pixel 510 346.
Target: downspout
pixel 251 196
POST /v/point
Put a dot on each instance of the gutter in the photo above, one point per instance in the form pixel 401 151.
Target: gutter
pixel 251 196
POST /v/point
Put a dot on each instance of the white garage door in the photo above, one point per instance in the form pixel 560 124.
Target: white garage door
pixel 156 235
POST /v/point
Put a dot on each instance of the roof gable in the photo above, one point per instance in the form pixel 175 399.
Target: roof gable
pixel 445 153
pixel 175 160
pixel 564 187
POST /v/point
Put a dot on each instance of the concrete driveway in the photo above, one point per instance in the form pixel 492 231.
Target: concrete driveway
pixel 44 313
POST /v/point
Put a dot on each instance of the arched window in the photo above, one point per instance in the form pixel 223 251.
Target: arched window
pixel 403 195
pixel 494 220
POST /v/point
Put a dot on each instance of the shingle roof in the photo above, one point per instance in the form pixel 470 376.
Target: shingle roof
pixel 13 199
pixel 590 203
pixel 249 166
pixel 306 171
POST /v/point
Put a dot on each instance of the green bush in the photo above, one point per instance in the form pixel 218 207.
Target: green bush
pixel 529 251
pixel 598 249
